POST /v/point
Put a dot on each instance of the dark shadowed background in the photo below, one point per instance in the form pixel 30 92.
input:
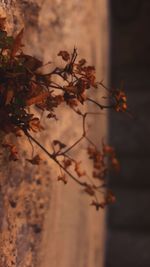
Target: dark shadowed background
pixel 128 237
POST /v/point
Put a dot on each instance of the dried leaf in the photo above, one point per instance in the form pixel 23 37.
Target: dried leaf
pixel 52 116
pixel 36 160
pixel 9 96
pixel 17 43
pixel 110 197
pixel 31 63
pixel 82 62
pixel 62 178
pixel 65 55
pixel 108 150
pixel 34 125
pixel 115 164
pixel 98 205
pixel 78 170
pixel 38 99
pixel 67 163
pixel 89 190
pixel 60 144
pixel 2 23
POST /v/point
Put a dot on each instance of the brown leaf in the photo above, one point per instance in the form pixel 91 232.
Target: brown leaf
pixel 9 96
pixel 36 160
pixel 2 23
pixel 35 125
pixel 89 190
pixel 78 169
pixel 115 164
pixel 65 55
pixel 110 197
pixel 62 178
pixel 17 43
pixel 60 144
pixel 70 89
pixel 31 63
pixel 18 132
pixel 82 62
pixel 67 163
pixel 98 205
pixel 38 99
pixel 108 150
pixel 52 116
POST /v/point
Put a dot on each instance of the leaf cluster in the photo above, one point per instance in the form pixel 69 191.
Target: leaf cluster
pixel 23 84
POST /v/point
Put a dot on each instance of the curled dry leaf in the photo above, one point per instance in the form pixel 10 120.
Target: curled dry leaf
pixel 38 99
pixel 62 178
pixel 120 100
pixel 89 190
pixel 65 55
pixel 78 170
pixel 67 163
pixel 34 125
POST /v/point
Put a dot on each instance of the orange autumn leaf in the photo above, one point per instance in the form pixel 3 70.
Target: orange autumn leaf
pixel 35 125
pixel 38 99
pixel 78 170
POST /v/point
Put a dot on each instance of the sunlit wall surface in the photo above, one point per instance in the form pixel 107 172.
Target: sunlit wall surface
pixel 74 232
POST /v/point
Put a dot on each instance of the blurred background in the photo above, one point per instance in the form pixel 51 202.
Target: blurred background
pixel 128 238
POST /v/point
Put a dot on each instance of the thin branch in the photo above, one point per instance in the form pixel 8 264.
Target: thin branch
pixel 71 147
pixel 53 157
pixel 98 104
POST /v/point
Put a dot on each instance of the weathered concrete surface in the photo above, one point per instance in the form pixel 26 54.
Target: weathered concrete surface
pixel 74 232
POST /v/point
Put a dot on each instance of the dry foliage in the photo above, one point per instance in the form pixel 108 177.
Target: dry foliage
pixel 24 84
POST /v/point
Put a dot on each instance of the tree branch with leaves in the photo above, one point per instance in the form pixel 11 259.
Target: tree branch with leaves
pixel 24 84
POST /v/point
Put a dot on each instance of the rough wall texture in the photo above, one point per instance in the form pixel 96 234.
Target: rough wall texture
pixel 72 232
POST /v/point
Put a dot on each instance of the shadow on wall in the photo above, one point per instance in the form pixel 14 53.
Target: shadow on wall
pixel 128 221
